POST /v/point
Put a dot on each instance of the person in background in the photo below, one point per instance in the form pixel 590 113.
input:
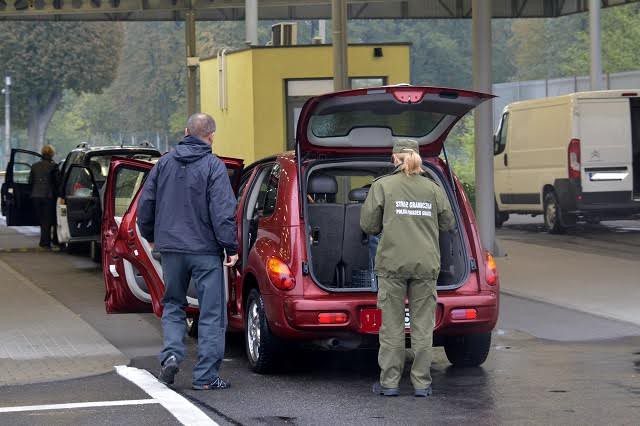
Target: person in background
pixel 410 210
pixel 187 212
pixel 44 184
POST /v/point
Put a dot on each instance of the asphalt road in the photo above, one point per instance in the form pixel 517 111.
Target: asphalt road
pixel 548 365
pixel 616 238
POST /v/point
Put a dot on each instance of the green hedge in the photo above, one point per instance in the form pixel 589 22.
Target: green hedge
pixel 470 189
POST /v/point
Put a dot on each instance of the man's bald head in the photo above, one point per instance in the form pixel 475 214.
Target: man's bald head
pixel 201 125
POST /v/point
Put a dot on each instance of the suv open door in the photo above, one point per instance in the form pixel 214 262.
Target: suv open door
pixel 78 216
pixel 132 272
pixel 16 189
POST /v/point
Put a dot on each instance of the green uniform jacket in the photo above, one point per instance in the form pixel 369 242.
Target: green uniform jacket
pixel 411 210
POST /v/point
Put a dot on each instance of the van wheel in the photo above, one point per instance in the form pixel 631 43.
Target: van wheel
pixel 593 220
pixel 468 351
pixel 553 215
pixel 261 345
pixel 500 217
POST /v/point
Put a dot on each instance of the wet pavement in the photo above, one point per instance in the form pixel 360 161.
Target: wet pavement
pixel 525 381
pixel 548 365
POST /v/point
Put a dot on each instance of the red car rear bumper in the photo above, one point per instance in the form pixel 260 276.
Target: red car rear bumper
pixel 308 319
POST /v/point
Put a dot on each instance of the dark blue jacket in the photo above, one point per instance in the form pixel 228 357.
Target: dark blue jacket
pixel 187 203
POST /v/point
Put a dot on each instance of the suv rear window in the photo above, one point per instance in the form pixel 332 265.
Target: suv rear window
pixel 337 117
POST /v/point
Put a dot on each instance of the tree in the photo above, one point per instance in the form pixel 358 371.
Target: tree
pixel 559 47
pixel 45 59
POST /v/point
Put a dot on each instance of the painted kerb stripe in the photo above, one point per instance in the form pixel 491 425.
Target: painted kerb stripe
pixel 73 405
pixel 176 404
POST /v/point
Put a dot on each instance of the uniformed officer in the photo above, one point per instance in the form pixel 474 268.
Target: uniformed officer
pixel 412 210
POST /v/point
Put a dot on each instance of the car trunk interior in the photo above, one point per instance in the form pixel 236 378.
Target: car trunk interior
pixel 341 255
pixel 635 138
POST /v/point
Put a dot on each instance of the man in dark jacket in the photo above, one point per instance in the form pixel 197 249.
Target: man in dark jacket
pixel 187 211
pixel 44 182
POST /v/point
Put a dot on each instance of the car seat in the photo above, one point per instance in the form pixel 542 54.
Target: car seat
pixel 326 227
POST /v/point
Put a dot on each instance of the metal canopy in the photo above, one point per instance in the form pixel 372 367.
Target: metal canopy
pixel 233 10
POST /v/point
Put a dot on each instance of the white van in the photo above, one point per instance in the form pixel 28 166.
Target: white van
pixel 572 158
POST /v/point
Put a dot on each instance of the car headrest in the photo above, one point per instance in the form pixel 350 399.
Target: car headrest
pixel 96 169
pixel 358 194
pixel 322 184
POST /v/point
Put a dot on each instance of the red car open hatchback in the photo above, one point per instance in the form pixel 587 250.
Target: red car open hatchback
pixel 304 270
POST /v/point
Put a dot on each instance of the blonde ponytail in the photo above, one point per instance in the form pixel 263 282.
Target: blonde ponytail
pixel 411 162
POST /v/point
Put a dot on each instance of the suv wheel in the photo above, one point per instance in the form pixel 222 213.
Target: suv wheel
pixel 261 345
pixel 468 351
pixel 76 248
pixel 96 252
pixel 553 215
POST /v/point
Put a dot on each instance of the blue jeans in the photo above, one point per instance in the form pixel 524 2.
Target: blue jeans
pixel 206 272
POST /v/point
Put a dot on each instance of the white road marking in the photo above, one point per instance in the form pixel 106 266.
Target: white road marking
pixel 177 405
pixel 73 405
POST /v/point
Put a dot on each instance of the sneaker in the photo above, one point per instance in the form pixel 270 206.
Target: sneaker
pixel 217 383
pixel 168 370
pixel 423 393
pixel 378 389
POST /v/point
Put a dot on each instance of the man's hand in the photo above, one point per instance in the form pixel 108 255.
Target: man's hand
pixel 231 260
pixel 153 246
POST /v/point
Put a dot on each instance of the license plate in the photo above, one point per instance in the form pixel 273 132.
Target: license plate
pixel 371 318
pixel 407 318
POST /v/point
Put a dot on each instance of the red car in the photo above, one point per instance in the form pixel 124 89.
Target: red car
pixel 304 273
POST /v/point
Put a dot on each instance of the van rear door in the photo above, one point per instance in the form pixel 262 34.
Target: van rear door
pixel 605 142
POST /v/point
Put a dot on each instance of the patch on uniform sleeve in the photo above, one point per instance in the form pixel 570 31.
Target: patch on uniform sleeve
pixel 413 208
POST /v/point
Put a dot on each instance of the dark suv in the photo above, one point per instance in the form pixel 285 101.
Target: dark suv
pixel 304 273
pixel 82 177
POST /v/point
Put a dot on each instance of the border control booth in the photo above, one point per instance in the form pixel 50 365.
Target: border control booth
pixel 256 94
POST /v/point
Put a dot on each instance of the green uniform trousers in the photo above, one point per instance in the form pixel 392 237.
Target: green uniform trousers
pixel 422 306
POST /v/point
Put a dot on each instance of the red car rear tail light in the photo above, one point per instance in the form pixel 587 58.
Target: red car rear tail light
pixel 279 274
pixel 332 318
pixel 464 314
pixel 574 159
pixel 492 270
